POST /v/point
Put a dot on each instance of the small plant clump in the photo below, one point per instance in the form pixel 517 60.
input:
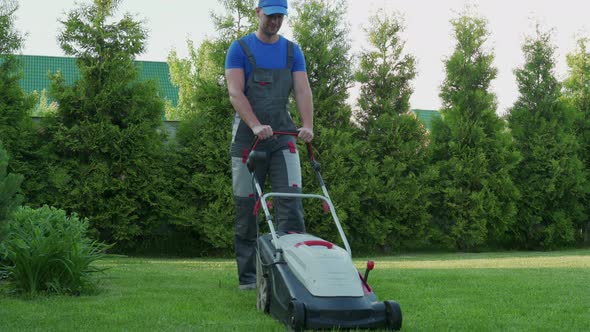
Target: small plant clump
pixel 46 251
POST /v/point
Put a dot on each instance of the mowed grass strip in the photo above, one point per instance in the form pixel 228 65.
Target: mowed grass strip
pixel 489 292
pixel 444 292
pixel 525 262
pixel 140 294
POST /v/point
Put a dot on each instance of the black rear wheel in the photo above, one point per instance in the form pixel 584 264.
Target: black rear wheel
pixel 393 314
pixel 262 287
pixel 296 316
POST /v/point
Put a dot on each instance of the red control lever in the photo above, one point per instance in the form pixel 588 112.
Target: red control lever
pixel 370 266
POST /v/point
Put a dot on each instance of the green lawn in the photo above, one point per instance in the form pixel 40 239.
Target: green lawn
pixel 446 292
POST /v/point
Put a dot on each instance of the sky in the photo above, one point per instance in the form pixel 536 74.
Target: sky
pixel 428 33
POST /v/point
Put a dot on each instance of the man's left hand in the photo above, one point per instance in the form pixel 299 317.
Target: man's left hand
pixel 306 134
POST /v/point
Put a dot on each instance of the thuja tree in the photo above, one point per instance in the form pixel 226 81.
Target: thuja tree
pixel 577 93
pixel 474 198
pixel 320 29
pixel 385 71
pixel 10 197
pixel 184 76
pixel 15 105
pixel 203 172
pixel 396 210
pixel 550 176
pixel 105 146
pixel 196 76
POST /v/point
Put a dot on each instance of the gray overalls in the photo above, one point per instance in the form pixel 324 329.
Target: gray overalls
pixel 268 92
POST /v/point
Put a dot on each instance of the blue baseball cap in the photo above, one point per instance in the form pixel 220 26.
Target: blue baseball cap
pixel 270 7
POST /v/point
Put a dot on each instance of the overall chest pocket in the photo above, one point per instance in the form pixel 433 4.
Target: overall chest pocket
pixel 263 87
pixel 263 78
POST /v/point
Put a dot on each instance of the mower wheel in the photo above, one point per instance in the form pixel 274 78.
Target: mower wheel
pixel 296 316
pixel 393 314
pixel 262 287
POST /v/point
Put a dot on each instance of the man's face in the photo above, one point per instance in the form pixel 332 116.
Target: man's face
pixel 270 24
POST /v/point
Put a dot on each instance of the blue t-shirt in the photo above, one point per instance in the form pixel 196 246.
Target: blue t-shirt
pixel 267 56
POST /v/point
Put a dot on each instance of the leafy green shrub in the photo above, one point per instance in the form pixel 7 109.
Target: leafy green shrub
pixel 47 251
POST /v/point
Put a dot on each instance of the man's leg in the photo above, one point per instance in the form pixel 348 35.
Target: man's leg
pixel 245 241
pixel 246 227
pixel 285 175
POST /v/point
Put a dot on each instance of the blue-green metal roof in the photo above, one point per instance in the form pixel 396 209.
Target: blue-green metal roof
pixel 37 67
pixel 426 117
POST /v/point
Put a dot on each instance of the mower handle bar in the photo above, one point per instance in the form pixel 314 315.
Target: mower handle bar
pixel 326 197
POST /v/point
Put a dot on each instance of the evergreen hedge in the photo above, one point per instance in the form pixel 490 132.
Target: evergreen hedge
pixel 10 197
pixel 103 154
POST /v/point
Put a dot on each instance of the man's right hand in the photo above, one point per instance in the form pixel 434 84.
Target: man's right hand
pixel 262 131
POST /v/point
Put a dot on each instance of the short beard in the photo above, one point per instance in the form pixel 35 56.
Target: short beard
pixel 269 34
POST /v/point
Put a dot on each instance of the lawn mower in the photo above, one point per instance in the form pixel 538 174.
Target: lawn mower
pixel 307 282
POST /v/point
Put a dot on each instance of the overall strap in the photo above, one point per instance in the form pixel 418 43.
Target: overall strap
pixel 289 54
pixel 248 53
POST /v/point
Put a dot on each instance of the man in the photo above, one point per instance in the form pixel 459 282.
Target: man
pixel 262 69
